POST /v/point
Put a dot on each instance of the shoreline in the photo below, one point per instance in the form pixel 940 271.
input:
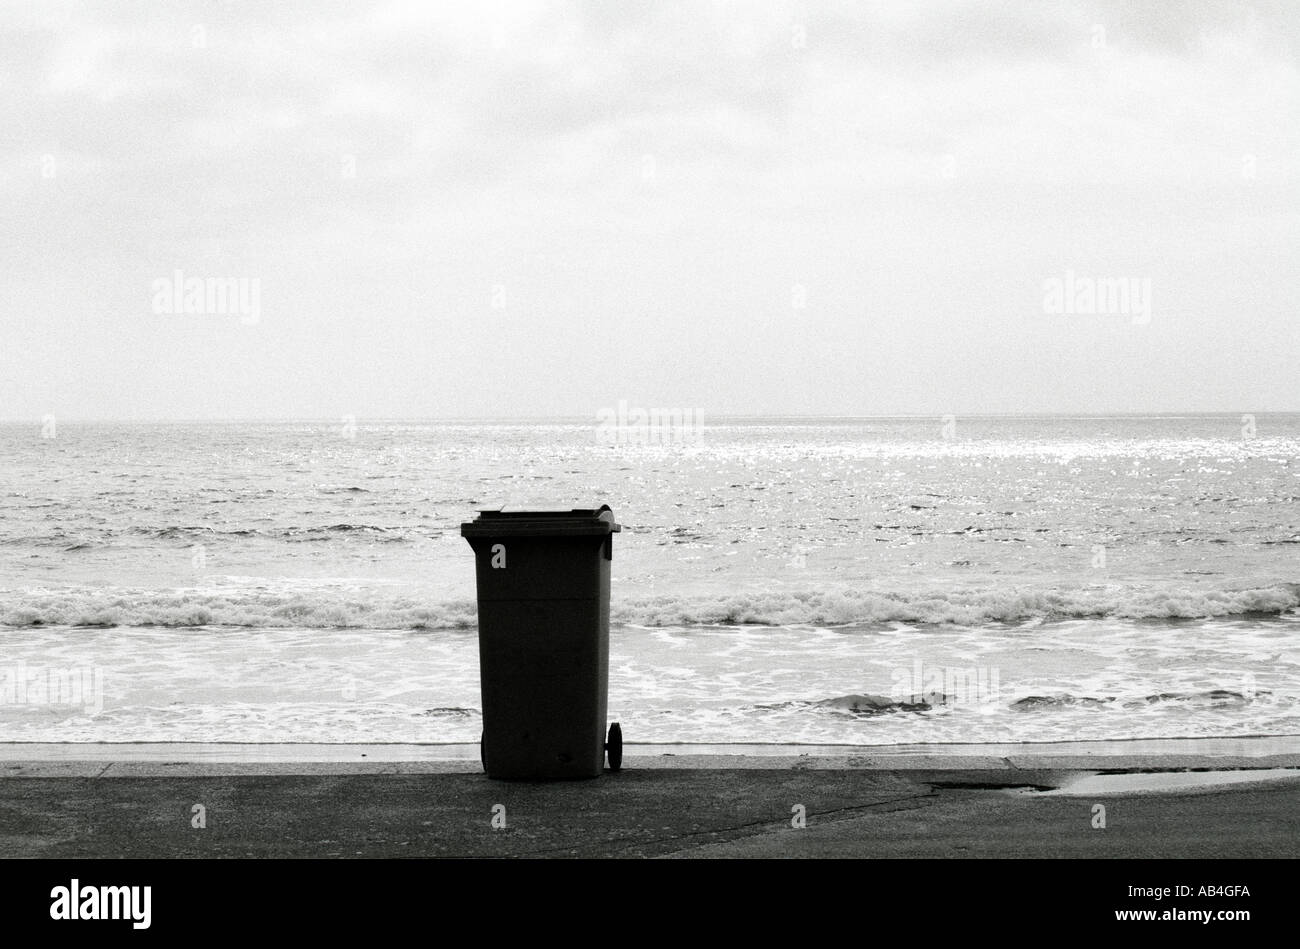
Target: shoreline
pixel 1262 751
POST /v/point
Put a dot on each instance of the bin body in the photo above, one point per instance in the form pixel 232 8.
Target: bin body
pixel 543 634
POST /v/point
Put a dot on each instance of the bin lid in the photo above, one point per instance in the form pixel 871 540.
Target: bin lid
pixel 506 521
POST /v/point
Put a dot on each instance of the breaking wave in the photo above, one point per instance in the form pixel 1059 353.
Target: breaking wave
pixel 195 608
pixel 965 608
pixel 380 610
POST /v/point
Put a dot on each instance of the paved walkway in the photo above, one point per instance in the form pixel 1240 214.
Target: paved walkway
pixel 427 801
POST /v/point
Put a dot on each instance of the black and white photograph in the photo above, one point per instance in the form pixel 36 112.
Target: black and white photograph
pixel 443 435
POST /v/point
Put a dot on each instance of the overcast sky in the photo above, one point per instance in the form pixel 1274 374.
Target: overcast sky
pixel 532 209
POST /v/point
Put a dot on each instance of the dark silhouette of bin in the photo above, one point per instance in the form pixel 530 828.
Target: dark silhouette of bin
pixel 543 637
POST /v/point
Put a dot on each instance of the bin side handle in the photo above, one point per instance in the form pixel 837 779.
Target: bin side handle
pixel 609 547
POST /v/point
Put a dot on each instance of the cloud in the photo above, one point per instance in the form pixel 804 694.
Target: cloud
pixel 338 146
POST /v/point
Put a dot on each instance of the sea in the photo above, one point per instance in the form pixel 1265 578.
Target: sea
pixel 829 581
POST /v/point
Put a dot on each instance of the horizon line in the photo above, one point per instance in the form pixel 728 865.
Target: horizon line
pixel 595 419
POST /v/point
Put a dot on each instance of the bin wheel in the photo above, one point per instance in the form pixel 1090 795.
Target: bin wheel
pixel 482 755
pixel 614 747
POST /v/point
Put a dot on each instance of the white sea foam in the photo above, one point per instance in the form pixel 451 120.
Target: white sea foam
pixel 1083 678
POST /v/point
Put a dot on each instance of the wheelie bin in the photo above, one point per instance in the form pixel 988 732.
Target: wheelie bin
pixel 543 634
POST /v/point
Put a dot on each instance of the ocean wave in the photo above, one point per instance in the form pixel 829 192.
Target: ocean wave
pixel 1208 697
pixel 225 608
pixel 965 608
pixel 189 535
pixel 379 610
pixel 869 705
